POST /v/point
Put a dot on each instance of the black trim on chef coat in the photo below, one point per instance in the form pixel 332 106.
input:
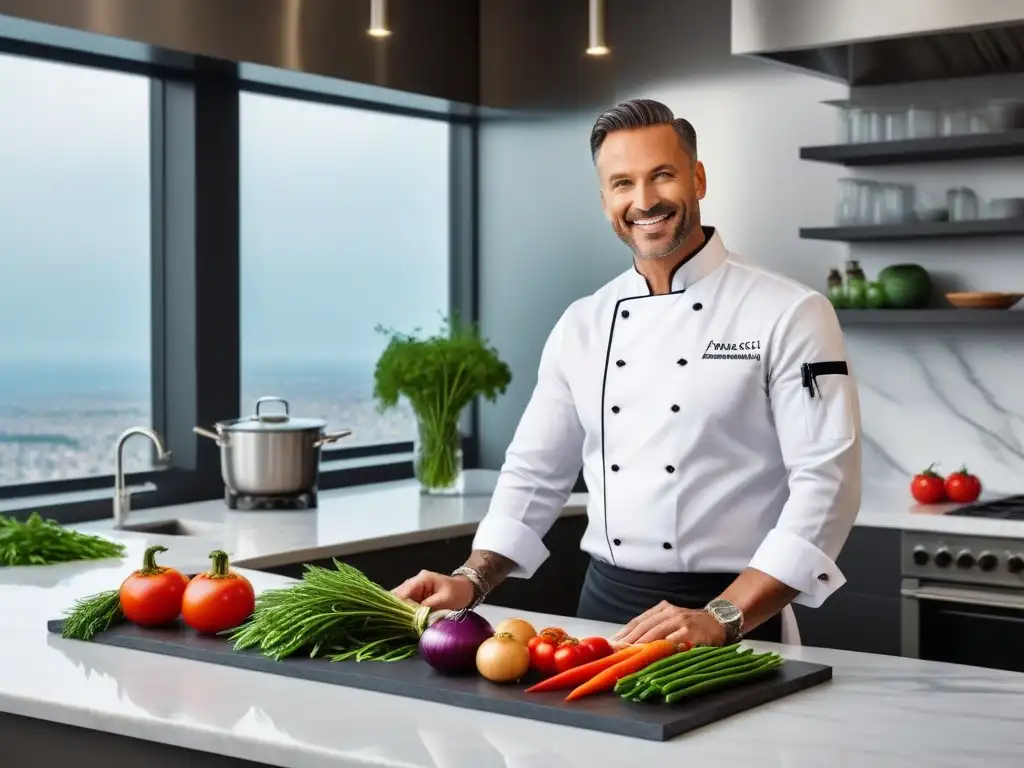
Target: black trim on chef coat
pixel 708 234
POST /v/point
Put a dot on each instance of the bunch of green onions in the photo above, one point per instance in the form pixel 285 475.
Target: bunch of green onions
pixel 36 541
pixel 339 614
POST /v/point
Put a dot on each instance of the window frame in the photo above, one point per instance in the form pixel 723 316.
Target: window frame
pixel 195 278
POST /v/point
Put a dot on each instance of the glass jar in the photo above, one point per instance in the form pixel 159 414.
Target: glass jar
pixel 856 286
pixel 437 456
pixel 835 291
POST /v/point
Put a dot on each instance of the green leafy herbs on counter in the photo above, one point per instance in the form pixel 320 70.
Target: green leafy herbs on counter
pixel 44 542
pixel 439 376
pixel 93 614
pixel 339 614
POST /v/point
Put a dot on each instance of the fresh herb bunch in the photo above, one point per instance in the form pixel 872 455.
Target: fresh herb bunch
pixel 43 542
pixel 93 614
pixel 439 375
pixel 339 614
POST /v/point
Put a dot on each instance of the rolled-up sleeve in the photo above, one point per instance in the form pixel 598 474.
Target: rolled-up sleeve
pixel 540 468
pixel 817 418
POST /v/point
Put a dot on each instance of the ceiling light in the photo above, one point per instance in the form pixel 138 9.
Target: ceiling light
pixel 596 45
pixel 378 19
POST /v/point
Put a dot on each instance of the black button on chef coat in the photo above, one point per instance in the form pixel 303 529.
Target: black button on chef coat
pixel 681 361
pixel 625 313
pixel 620 363
pixel 615 409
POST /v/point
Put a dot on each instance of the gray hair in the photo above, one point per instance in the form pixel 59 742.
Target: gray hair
pixel 641 113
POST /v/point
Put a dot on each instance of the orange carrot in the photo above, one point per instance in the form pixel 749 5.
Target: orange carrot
pixel 578 675
pixel 605 681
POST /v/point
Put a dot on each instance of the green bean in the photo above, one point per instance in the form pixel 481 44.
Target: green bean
pixel 676 661
pixel 705 663
pixel 667 662
pixel 686 681
pixel 718 654
pixel 724 682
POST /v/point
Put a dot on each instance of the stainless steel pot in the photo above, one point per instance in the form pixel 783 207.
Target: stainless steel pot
pixel 270 454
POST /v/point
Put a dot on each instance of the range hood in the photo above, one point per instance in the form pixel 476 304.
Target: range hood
pixel 875 42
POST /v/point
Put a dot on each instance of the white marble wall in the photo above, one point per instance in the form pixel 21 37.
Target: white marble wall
pixel 940 395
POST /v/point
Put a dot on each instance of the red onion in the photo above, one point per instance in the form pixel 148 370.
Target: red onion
pixel 450 644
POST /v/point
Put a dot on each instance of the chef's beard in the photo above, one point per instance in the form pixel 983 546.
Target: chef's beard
pixel 683 229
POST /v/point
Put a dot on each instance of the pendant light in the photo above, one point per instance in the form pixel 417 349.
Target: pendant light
pixel 596 45
pixel 378 19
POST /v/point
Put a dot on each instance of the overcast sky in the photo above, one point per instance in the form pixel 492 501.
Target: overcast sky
pixel 344 222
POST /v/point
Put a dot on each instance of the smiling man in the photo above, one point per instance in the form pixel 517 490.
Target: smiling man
pixel 712 407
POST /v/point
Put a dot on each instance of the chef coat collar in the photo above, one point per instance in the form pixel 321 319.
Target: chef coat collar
pixel 699 264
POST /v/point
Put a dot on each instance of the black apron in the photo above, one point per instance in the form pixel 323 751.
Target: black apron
pixel 617 595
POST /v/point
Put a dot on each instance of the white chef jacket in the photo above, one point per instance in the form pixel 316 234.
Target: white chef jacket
pixel 707 445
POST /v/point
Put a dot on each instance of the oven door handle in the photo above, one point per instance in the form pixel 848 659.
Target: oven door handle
pixel 965 596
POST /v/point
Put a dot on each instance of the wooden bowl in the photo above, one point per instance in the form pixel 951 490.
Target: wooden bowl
pixel 983 299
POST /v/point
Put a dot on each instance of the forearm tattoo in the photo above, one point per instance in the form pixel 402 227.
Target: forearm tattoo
pixel 492 567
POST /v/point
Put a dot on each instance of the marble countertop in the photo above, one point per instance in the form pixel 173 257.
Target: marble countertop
pixel 368 518
pixel 879 711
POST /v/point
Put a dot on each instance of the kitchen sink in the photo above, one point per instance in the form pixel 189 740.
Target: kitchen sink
pixel 173 528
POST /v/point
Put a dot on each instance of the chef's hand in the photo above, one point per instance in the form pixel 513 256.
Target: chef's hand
pixel 677 625
pixel 435 590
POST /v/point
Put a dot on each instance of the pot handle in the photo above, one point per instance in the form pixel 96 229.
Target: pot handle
pixel 331 437
pixel 272 399
pixel 218 439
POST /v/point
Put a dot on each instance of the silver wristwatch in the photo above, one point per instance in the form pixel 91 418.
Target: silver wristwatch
pixel 729 616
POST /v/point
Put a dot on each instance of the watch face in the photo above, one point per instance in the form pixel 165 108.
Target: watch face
pixel 725 611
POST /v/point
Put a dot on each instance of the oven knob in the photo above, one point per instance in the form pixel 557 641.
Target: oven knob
pixel 965 559
pixel 920 556
pixel 943 558
pixel 1015 564
pixel 987 561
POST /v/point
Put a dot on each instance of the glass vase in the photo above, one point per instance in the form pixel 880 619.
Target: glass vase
pixel 437 456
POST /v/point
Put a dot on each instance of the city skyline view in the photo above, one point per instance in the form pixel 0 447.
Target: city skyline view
pixel 344 227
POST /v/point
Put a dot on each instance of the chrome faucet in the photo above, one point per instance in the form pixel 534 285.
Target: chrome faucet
pixel 122 496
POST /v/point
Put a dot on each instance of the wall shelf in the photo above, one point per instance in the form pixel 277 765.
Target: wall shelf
pixel 975 146
pixel 917 230
pixel 939 316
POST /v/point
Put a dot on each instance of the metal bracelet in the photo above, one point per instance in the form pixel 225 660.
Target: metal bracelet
pixel 480 587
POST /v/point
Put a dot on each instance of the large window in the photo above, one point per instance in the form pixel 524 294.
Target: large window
pixel 75 327
pixel 344 227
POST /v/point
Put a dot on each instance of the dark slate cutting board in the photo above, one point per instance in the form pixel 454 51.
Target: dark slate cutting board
pixel 413 678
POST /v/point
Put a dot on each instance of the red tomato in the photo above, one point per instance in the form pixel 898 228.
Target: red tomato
pixel 151 596
pixel 927 487
pixel 570 654
pixel 542 653
pixel 219 599
pixel 555 633
pixel 597 647
pixel 963 487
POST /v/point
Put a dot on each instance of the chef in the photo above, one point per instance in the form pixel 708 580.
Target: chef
pixel 714 411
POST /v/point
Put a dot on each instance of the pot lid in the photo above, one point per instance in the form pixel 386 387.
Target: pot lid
pixel 262 421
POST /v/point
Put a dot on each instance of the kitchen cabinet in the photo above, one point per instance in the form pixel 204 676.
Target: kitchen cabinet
pixel 864 614
pixel 31 741
pixel 555 588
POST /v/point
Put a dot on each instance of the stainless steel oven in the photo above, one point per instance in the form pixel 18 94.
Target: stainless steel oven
pixel 963 599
